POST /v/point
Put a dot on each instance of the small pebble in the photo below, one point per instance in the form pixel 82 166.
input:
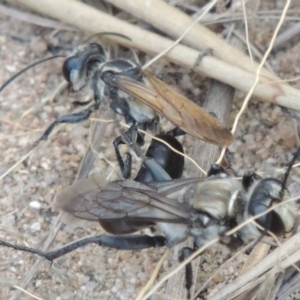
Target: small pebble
pixel 35 204
pixel 35 227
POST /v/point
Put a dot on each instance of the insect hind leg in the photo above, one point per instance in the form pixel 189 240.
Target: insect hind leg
pixel 184 254
pixel 129 242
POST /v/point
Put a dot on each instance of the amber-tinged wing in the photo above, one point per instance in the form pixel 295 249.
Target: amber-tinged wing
pixel 96 199
pixel 176 108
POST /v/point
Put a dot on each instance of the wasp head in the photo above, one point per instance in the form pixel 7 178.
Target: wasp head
pixel 80 67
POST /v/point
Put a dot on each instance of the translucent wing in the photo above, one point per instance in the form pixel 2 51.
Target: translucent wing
pixel 175 107
pixel 95 199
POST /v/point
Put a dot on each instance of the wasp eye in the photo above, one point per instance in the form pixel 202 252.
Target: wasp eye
pixel 70 64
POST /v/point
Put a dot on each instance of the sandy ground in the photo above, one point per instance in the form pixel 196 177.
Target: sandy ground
pixel 266 137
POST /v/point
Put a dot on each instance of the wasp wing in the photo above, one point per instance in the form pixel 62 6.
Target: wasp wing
pixel 176 108
pixel 96 199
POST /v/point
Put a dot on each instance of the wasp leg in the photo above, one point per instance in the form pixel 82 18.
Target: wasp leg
pixel 131 136
pixel 72 118
pixel 129 242
pixel 249 178
pixel 156 170
pixel 185 253
pixel 215 169
pixel 124 164
pixel 76 117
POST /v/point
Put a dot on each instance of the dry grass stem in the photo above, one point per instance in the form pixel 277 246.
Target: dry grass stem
pixel 161 54
pixel 174 22
pixel 89 19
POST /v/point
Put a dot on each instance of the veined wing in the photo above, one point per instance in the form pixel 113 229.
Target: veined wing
pixel 96 199
pixel 176 108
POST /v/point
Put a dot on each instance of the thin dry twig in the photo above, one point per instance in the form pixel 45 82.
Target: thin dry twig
pixel 179 267
pixel 246 30
pixel 218 100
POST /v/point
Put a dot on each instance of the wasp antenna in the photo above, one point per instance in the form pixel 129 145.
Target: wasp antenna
pixel 6 83
pixel 287 173
pixel 106 33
